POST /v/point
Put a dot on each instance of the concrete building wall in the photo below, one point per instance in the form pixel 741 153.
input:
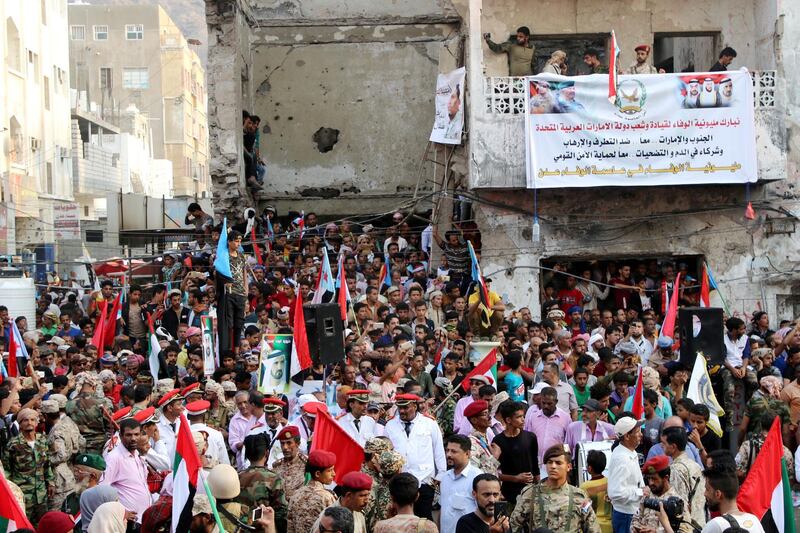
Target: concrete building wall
pixel 754 263
pixel 345 93
pixel 35 116
pixel 170 86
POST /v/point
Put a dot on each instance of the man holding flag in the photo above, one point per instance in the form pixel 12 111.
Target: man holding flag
pixel 484 307
pixel 231 271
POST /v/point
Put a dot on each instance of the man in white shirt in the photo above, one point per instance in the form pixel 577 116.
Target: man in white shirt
pixel 737 358
pixel 636 335
pixel 354 421
pixel 195 413
pixel 626 486
pixel 419 440
pixel 154 451
pixel 171 409
pixel 722 486
pixel 456 483
pixel 270 424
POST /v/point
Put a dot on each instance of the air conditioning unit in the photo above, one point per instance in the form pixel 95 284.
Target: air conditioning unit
pixel 35 144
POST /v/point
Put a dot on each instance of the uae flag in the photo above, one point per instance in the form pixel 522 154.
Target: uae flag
pixel 12 516
pixel 613 55
pixel 186 467
pixel 301 355
pixel 487 367
pixel 766 492
pixel 329 436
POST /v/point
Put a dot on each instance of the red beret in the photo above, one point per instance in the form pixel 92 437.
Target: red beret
pixel 121 414
pixel 56 522
pixel 289 432
pixel 645 47
pixel 198 407
pixel 405 399
pixel 321 459
pixel 476 408
pixel 356 481
pixel 145 415
pixel 655 464
pixel 171 396
pixel 194 387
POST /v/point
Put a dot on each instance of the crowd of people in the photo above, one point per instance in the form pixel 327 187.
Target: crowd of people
pixel 89 427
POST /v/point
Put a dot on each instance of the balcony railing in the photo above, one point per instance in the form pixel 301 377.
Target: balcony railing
pixel 506 95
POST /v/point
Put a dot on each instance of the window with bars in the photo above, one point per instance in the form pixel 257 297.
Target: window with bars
pixel 135 78
pixel 101 33
pixel 134 32
pixel 77 33
pixel 106 78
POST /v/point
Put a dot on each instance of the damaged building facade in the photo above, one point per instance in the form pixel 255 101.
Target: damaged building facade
pixel 345 93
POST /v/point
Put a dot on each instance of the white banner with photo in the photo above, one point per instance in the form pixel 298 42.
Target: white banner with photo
pixel 663 129
pixel 449 121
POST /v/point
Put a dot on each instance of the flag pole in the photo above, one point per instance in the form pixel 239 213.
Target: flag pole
pixel 719 291
pixel 441 404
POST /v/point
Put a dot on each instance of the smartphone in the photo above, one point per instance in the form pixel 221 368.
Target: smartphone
pixel 256 515
pixel 500 510
pixel 377 325
pixel 407 346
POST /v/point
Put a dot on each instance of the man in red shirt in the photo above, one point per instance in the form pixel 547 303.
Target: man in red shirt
pixel 623 288
pixel 569 296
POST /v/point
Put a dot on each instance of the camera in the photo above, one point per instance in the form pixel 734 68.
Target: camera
pixel 673 506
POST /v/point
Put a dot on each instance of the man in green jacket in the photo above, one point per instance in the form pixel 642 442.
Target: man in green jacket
pixel 521 57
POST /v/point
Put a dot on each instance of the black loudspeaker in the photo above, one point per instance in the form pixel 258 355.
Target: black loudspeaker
pixel 701 331
pixel 325 332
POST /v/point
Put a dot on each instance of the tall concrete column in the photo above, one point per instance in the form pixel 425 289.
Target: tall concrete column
pixel 228 74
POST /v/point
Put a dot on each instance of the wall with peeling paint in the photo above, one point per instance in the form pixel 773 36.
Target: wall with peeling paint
pixel 755 264
pixel 345 94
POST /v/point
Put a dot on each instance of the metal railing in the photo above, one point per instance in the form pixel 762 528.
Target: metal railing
pixel 505 95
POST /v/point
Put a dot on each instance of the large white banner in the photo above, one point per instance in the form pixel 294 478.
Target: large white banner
pixel 67 221
pixel 663 129
pixel 449 120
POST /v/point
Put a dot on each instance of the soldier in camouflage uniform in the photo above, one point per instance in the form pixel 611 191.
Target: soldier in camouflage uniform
pixel 29 467
pixel 765 400
pixel 656 472
pixel 65 442
pixel 446 411
pixel 390 463
pixel 372 450
pixel 292 467
pixel 312 498
pixel 260 485
pixel 555 504
pixel 86 410
pixel 750 448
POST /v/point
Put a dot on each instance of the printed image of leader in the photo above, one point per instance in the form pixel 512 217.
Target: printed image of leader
pixel 548 97
pixel 455 114
pixel 706 91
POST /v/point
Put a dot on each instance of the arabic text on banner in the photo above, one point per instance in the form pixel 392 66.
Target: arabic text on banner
pixel 663 129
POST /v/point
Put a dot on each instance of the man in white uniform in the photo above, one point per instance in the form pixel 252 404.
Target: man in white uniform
pixel 354 421
pixel 195 412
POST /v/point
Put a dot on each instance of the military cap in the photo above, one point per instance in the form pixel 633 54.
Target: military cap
pixel 60 399
pixel 273 405
pixel 49 407
pixel 390 463
pixel 194 388
pixel 321 459
pixel 405 399
pixel 121 414
pixel 377 445
pixel 476 408
pixel 655 464
pixel 171 396
pixel 145 416
pixel 198 407
pixel 91 460
pixel 312 408
pixel 359 395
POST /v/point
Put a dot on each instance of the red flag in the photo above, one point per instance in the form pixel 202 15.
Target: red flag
pixel 10 511
pixel 110 325
pixel 344 293
pixel 329 436
pixel 13 368
pixel 638 397
pixel 438 356
pixel 749 212
pixel 664 297
pixel 705 290
pixel 668 327
pixel 256 249
pixel 301 355
pixel 97 338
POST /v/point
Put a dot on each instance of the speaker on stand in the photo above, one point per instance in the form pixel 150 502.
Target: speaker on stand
pixel 325 332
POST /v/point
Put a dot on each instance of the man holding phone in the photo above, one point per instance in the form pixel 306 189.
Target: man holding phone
pixel 491 514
